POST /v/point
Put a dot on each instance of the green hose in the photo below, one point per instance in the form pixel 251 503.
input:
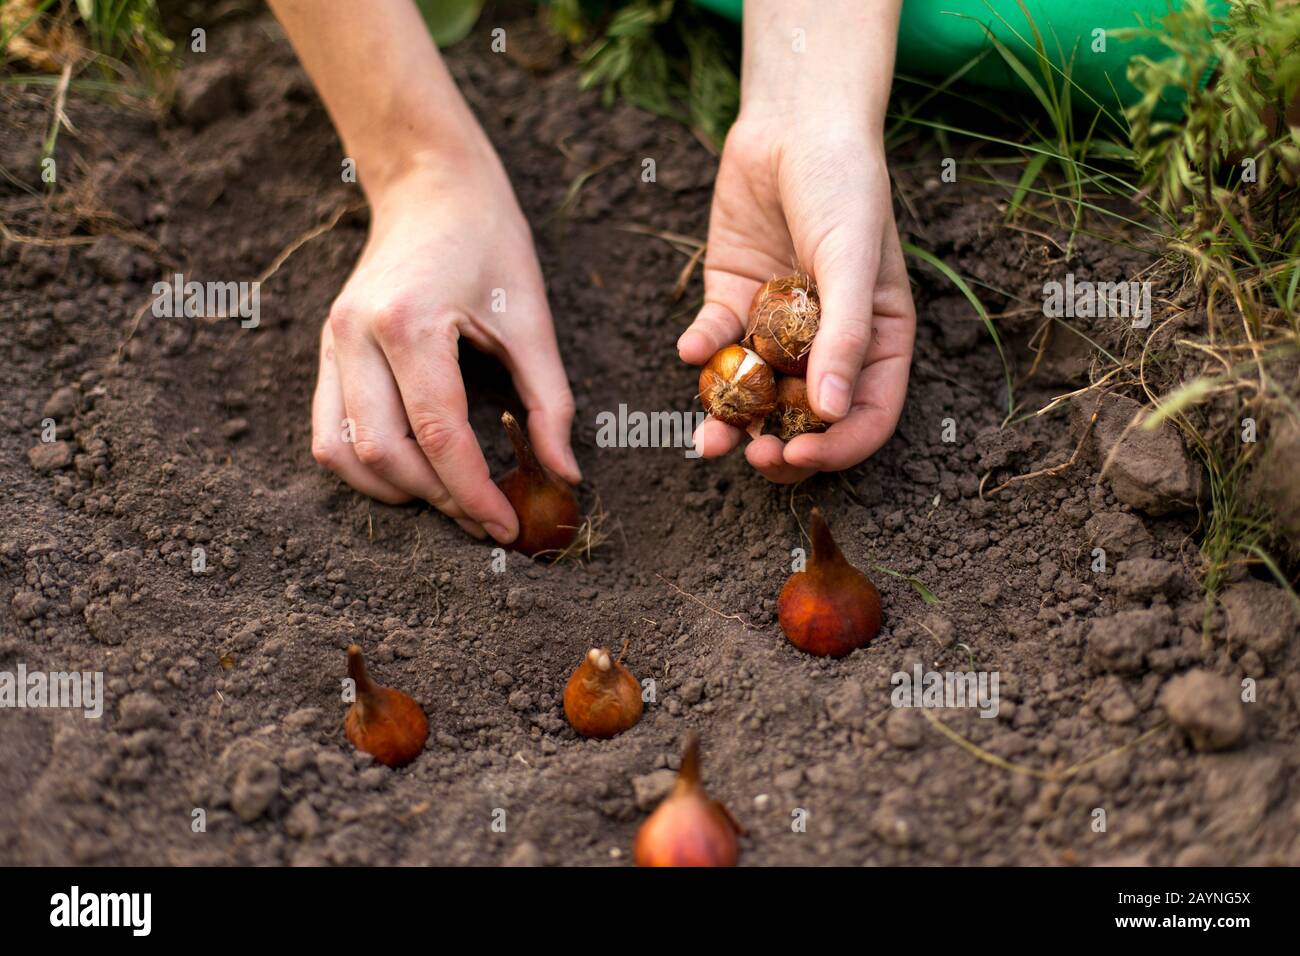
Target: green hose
pixel 936 38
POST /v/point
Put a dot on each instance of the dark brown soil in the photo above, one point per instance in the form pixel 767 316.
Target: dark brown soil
pixel 223 689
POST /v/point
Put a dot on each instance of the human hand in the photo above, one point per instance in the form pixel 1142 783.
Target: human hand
pixel 803 181
pixel 447 243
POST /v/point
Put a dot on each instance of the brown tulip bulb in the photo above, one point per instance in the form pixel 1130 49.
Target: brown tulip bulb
pixel 544 503
pixel 783 319
pixel 382 721
pixel 737 387
pixel 830 608
pixel 602 698
pixel 794 414
pixel 688 828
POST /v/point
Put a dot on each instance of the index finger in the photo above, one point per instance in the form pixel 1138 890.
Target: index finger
pixel 428 375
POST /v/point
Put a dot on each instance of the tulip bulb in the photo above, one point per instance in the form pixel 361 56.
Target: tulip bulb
pixel 737 387
pixel 544 503
pixel 783 319
pixel 794 414
pixel 830 608
pixel 382 721
pixel 688 828
pixel 602 698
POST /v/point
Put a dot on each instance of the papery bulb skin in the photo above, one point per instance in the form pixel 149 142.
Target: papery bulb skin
pixel 688 828
pixel 382 721
pixel 544 503
pixel 831 608
pixel 737 386
pixel 602 698
pixel 794 415
pixel 783 319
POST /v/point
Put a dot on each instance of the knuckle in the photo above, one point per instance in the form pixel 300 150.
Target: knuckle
pixel 325 452
pixel 436 436
pixel 343 319
pixel 852 338
pixel 441 499
pixel 372 452
pixel 393 320
pixel 564 407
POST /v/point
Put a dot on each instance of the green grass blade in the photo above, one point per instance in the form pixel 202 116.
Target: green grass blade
pixel 951 275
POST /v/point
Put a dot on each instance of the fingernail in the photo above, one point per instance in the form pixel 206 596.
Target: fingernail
pixel 498 531
pixel 834 396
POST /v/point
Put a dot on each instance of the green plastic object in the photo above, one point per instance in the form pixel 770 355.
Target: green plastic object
pixel 936 38
pixel 451 20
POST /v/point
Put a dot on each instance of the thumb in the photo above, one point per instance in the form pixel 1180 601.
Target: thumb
pixel 721 320
pixel 845 268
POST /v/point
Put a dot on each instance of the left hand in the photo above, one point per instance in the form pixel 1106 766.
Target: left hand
pixel 803 182
pixel 822 201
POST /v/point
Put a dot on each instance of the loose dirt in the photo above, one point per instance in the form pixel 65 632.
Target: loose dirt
pixel 223 687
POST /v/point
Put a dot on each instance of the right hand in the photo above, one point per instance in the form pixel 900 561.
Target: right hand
pixel 390 417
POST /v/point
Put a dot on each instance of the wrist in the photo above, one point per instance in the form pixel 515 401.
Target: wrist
pixel 820 61
pixel 425 154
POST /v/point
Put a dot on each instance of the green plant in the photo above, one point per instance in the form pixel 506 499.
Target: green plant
pixel 662 56
pixel 128 31
pixel 1228 175
pixel 121 40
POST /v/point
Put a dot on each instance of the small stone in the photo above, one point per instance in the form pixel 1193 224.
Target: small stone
pixel 648 789
pixel 1119 644
pixel 1206 706
pixel 692 691
pixel 525 854
pixel 1148 469
pixel 302 823
pixel 332 766
pixel 1112 772
pixel 256 785
pixel 303 719
pixel 50 456
pixel 903 728
pixel 140 710
pixel 893 825
pixel 1120 534
pixel 519 601
pixel 28 605
pixel 404 644
pixel 1119 708
pixel 62 405
pixel 788 780
pixel 104 624
pixel 1146 577
pixel 298 759
pixel 847 704
pixel 1199 854
pixel 1261 617
pixel 232 429
pixel 372 778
